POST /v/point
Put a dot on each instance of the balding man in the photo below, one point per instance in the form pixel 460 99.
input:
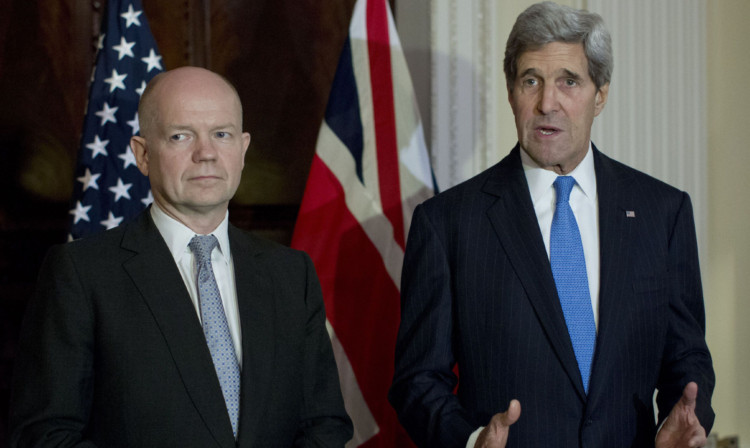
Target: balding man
pixel 178 329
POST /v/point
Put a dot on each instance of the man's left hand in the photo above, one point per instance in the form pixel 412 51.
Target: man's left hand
pixel 682 428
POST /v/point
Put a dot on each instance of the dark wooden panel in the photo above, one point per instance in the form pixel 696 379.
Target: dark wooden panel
pixel 177 27
pixel 282 56
pixel 46 61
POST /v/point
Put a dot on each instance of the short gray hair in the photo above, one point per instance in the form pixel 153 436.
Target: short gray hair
pixel 547 22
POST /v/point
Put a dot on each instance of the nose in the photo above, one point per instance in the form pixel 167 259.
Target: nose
pixel 548 101
pixel 204 150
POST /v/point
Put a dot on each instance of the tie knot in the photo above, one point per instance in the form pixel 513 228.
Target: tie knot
pixel 202 246
pixel 563 186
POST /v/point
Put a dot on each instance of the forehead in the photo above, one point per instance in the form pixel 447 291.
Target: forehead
pixel 200 99
pixel 554 57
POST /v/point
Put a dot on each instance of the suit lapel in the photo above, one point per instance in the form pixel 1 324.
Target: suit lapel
pixel 255 297
pixel 514 220
pixel 156 276
pixel 615 246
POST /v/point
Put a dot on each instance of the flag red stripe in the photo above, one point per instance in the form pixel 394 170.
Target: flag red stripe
pixel 362 302
pixel 379 49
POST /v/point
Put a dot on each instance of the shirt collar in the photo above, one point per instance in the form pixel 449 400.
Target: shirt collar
pixel 177 235
pixel 540 180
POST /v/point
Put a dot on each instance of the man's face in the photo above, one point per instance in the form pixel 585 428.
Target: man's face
pixel 554 101
pixel 195 148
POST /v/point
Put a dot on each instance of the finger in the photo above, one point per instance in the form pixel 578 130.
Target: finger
pixel 697 442
pixel 511 416
pixel 698 438
pixel 690 394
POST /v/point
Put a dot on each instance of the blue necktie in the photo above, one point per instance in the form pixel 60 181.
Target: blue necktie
pixel 569 270
pixel 215 327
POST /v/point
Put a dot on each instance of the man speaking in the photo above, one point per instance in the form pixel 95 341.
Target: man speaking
pixel 563 285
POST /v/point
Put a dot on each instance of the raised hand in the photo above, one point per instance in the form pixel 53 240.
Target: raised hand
pixel 495 434
pixel 682 428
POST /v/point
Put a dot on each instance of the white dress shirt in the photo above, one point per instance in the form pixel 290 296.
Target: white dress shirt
pixel 584 202
pixel 178 236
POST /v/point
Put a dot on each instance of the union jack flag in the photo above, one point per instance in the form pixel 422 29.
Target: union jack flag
pixel 109 189
pixel 370 169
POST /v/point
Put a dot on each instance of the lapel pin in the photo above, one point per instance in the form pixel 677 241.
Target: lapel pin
pixel 630 213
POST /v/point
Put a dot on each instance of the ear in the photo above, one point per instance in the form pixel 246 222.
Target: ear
pixel 601 99
pixel 140 150
pixel 245 145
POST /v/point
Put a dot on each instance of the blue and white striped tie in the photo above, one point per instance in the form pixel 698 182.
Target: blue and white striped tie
pixel 569 271
pixel 215 327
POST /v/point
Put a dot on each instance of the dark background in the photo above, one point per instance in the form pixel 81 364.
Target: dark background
pixel 280 54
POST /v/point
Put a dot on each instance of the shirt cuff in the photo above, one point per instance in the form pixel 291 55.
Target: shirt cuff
pixel 660 426
pixel 473 437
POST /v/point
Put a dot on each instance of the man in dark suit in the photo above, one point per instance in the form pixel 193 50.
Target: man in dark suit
pixel 561 325
pixel 178 329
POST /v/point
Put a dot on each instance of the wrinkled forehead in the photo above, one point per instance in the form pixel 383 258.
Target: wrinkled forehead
pixel 553 58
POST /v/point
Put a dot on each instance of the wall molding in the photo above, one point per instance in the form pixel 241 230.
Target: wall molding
pixel 464 69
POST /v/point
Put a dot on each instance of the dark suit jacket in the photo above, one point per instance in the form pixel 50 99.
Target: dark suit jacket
pixel 477 290
pixel 112 352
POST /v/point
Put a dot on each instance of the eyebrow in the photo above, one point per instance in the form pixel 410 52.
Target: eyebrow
pixel 567 72
pixel 572 74
pixel 527 72
pixel 179 127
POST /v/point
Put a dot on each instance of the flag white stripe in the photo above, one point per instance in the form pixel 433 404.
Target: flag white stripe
pixel 366 427
pixel 360 201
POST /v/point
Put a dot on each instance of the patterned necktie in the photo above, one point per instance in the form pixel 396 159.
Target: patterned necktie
pixel 215 327
pixel 569 270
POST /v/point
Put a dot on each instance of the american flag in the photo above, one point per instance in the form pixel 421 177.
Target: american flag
pixel 370 169
pixel 109 189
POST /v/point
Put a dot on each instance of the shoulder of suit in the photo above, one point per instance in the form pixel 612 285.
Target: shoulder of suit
pixel 466 187
pixel 636 177
pixel 470 189
pixel 100 251
pixel 258 243
pixel 99 241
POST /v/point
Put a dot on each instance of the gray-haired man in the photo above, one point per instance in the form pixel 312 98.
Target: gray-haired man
pixel 564 285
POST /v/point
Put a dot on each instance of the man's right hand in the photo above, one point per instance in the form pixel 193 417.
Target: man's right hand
pixel 495 434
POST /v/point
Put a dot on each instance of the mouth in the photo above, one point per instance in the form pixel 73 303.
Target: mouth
pixel 547 130
pixel 205 178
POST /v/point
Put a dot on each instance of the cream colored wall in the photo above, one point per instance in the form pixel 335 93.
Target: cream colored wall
pixel 727 276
